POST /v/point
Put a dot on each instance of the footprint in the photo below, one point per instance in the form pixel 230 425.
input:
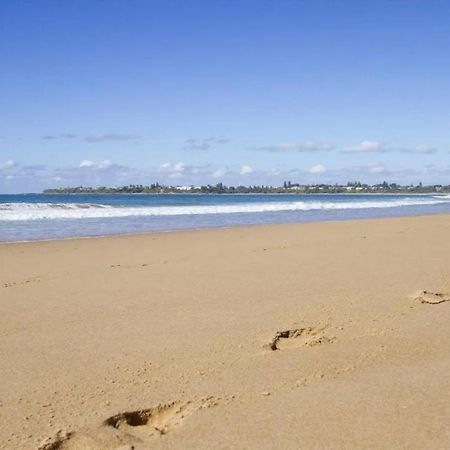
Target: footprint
pixel 35 279
pixel 160 419
pixel 57 442
pixel 299 337
pixel 120 266
pixel 432 298
pixel 134 426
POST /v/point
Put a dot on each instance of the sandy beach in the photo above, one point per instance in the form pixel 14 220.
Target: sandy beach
pixel 321 335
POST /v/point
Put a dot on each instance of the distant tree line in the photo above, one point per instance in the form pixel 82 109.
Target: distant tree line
pixel 287 187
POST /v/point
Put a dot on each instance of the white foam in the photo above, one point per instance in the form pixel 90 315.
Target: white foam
pixel 49 211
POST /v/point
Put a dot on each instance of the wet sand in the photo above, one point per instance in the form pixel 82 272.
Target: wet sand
pixel 326 335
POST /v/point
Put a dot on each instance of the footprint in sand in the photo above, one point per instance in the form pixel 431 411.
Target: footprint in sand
pixel 35 279
pixel 299 337
pixel 432 298
pixel 120 266
pixel 160 419
pixel 133 427
pixel 57 442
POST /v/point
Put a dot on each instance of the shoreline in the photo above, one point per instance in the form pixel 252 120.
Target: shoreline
pixel 240 337
pixel 257 225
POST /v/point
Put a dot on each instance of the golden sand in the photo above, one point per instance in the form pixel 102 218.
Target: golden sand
pixel 329 335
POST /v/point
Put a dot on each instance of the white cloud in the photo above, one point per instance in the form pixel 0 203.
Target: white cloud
pixel 307 146
pixel 50 137
pixel 419 150
pixel 179 167
pixel 93 138
pixel 169 168
pixel 182 170
pixel 219 173
pixel 366 146
pixel 379 147
pixel 86 163
pixel 318 168
pixel 9 164
pixel 245 169
pixel 203 143
pixel 110 137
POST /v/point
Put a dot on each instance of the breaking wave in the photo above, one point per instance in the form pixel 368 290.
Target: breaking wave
pixel 49 211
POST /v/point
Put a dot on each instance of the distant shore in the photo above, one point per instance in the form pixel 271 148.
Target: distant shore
pixel 287 188
pixel 242 193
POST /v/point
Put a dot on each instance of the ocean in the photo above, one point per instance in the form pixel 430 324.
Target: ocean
pixel 28 217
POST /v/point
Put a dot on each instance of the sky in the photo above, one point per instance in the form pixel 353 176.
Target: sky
pixel 112 92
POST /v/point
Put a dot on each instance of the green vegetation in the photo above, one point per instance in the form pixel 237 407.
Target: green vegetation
pixel 287 187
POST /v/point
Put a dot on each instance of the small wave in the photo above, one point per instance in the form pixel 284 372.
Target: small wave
pixel 49 211
pixel 442 197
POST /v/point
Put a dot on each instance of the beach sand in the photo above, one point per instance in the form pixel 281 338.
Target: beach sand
pixel 271 337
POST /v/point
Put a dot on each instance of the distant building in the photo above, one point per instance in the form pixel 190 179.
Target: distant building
pixel 184 188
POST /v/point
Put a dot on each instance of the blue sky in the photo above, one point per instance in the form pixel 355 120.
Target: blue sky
pixel 180 92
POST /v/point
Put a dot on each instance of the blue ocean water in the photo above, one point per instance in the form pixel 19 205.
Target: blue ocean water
pixel 39 216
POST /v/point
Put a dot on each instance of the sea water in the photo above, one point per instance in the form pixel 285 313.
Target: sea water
pixel 38 216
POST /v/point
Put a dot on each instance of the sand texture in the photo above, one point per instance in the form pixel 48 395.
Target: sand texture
pixel 329 335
